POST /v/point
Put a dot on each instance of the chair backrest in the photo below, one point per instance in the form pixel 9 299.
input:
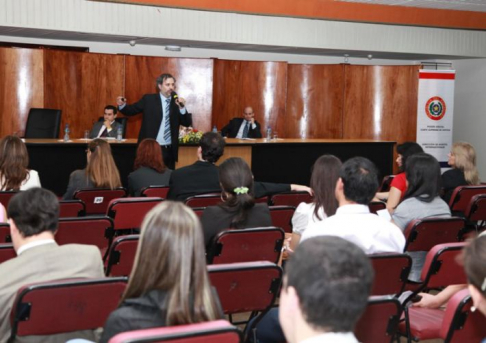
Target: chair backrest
pixel 476 210
pixel 71 208
pixel 120 120
pixel 290 198
pixel 245 245
pixel 97 200
pixel 5 197
pixel 386 183
pixel 441 268
pixel 43 123
pixel 80 304
pixel 203 200
pixel 155 191
pixel 128 213
pixel 282 217
pixel 376 206
pixel 122 255
pixel 218 331
pixel 462 195
pixel 423 234
pixel 379 322
pixel 391 273
pixel 7 252
pixel 198 211
pixel 86 230
pixel 5 233
pixel 459 323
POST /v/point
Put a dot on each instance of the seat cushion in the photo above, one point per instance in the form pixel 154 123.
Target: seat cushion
pixel 425 323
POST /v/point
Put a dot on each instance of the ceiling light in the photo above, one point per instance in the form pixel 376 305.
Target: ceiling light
pixel 172 48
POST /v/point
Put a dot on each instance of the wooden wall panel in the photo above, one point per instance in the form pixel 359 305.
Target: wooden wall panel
pixel 194 83
pixel 261 85
pixel 81 85
pixel 314 101
pixel 21 87
pixel 381 102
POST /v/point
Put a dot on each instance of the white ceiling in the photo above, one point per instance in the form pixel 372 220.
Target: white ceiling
pixel 458 5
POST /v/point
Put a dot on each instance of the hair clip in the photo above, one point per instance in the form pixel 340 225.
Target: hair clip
pixel 483 286
pixel 241 190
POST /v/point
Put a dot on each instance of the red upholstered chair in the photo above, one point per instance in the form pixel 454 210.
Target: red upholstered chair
pixel 379 322
pixel 97 200
pixel 245 245
pixel 290 199
pixel 440 270
pixel 122 255
pixel 155 191
pixel 386 183
pixel 246 287
pixel 476 211
pixel 5 233
pixel 5 197
pixel 128 213
pixel 282 217
pixel 7 252
pixel 376 206
pixel 198 211
pixel 262 200
pixel 391 273
pixel 86 230
pixel 62 306
pixel 71 208
pixel 203 200
pixel 423 234
pixel 461 197
pixel 218 331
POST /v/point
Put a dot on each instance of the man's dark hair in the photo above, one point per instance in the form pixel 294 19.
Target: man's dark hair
pixel 423 176
pixel 34 211
pixel 160 80
pixel 111 107
pixel 212 146
pixel 333 279
pixel 360 179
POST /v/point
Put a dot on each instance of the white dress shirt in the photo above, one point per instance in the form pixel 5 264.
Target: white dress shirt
pixel 332 337
pixel 242 128
pixel 33 245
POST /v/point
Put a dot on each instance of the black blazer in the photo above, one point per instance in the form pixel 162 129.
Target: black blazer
pixel 151 106
pixel 231 130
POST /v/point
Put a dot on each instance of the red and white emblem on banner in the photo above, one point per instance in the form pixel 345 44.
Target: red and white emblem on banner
pixel 435 108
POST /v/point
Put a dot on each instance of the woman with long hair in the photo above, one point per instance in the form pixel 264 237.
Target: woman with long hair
pixel 149 168
pixel 462 160
pixel 14 160
pixel 398 185
pixel 325 174
pixel 169 284
pixel 238 209
pixel 100 172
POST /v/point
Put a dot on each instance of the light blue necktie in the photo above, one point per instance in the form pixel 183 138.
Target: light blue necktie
pixel 167 121
pixel 246 129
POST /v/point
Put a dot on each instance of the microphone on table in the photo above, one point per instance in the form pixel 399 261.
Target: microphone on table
pixel 175 97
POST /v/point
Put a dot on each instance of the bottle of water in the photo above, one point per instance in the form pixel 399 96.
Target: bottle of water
pixel 119 134
pixel 66 133
pixel 269 133
pixel 215 129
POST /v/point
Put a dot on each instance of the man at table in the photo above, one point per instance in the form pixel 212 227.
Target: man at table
pixel 108 127
pixel 246 127
pixel 163 112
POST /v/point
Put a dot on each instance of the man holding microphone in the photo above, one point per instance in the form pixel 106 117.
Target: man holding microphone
pixel 163 112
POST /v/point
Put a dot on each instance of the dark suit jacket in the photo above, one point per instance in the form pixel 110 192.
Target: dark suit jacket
pixel 144 177
pixel 151 106
pixel 97 127
pixel 231 130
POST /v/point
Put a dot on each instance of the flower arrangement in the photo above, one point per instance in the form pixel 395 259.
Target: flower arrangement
pixel 188 135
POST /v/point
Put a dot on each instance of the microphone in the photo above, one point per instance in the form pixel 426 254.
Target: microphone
pixel 175 97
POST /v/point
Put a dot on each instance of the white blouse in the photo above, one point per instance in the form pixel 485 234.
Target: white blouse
pixel 304 216
pixel 31 181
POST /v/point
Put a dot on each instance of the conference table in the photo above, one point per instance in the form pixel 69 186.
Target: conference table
pixel 278 160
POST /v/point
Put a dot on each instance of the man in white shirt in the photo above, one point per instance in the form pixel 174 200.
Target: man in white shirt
pixel 246 127
pixel 325 290
pixel 33 218
pixel 353 221
pixel 108 127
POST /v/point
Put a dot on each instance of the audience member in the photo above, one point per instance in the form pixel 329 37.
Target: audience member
pixel 169 283
pixel 108 127
pixel 100 172
pixel 246 127
pixel 203 176
pixel 398 185
pixel 33 222
pixel 149 168
pixel 462 160
pixel 325 173
pixel 238 209
pixel 356 186
pixel 14 160
pixel 475 267
pixel 3 214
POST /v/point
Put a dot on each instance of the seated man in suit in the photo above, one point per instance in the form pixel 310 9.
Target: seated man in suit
pixel 33 222
pixel 246 127
pixel 108 127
